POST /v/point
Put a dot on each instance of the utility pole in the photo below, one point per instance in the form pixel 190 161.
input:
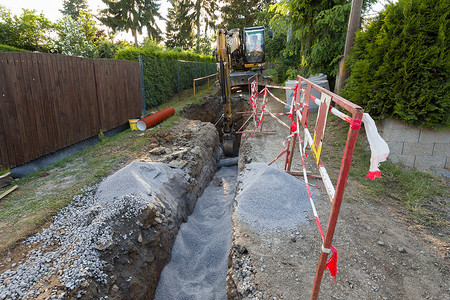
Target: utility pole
pixel 354 22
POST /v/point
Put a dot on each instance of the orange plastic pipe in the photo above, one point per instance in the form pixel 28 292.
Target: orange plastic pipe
pixel 154 119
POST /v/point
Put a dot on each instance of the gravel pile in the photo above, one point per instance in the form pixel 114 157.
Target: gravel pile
pixel 69 250
pixel 271 199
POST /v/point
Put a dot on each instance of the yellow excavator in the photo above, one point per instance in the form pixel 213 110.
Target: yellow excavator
pixel 237 62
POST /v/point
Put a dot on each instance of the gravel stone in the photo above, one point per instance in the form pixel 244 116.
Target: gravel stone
pixel 83 229
pixel 267 200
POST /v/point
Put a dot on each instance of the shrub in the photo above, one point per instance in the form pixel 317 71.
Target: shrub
pixel 132 53
pixel 6 48
pixel 106 49
pixel 400 65
pixel 162 80
pixel 161 70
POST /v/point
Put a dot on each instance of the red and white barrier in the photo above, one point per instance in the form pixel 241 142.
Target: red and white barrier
pixel 298 114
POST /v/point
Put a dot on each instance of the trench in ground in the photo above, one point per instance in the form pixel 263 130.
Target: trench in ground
pixel 199 260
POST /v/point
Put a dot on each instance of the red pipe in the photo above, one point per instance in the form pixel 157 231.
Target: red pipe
pixel 156 118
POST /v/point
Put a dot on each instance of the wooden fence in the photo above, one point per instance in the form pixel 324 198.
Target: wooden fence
pixel 48 102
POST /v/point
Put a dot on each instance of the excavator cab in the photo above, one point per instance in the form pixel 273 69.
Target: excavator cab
pixel 254 47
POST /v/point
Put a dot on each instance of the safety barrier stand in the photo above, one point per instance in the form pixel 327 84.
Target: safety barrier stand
pixel 298 114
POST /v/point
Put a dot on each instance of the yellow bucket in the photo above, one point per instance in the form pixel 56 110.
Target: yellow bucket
pixel 133 123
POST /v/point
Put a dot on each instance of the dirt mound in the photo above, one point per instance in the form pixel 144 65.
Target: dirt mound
pixel 114 240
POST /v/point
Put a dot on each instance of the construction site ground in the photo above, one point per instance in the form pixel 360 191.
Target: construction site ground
pixel 384 251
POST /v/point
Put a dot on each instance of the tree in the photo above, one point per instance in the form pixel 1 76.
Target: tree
pixel 72 8
pixel 132 15
pixel 73 40
pixel 8 34
pixel 243 13
pixel 179 25
pixel 33 30
pixel 204 10
pixel 319 28
pixel 153 31
pixel 400 67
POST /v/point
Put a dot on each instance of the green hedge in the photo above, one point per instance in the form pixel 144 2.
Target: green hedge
pixel 6 48
pixel 400 64
pixel 161 77
pixel 161 71
pixel 132 53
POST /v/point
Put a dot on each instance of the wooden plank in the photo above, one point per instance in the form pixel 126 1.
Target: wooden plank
pixel 45 90
pixel 12 134
pixel 35 133
pixel 72 102
pixel 137 85
pixel 84 113
pixel 26 109
pixel 56 92
pixel 27 113
pixel 70 107
pixel 90 104
pixel 99 75
pixel 127 100
pixel 77 98
pixel 137 90
pixel 114 93
pixel 114 85
pixel 5 93
pixel 84 101
pixel 5 179
pixel 48 75
pixel 64 107
pixel 14 96
pixel 44 111
pixel 123 100
pixel 106 99
pixel 8 192
pixel 92 92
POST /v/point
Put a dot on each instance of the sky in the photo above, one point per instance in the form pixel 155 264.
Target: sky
pixel 51 8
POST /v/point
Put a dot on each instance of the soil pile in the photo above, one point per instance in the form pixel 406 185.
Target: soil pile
pixel 113 240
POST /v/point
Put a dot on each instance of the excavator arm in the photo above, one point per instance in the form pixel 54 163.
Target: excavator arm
pixel 223 60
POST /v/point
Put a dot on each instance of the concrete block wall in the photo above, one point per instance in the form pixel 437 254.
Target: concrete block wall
pixel 421 148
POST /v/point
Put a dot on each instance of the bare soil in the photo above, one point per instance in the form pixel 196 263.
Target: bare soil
pixel 382 253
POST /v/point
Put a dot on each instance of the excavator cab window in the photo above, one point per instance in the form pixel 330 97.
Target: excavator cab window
pixel 254 45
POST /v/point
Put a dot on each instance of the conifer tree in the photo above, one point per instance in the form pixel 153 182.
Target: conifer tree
pixel 132 15
pixel 204 13
pixel 72 8
pixel 242 13
pixel 179 29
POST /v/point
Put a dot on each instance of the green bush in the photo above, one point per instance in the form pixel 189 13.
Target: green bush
pixel 106 49
pixel 162 80
pixel 6 48
pixel 132 53
pixel 161 70
pixel 400 64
